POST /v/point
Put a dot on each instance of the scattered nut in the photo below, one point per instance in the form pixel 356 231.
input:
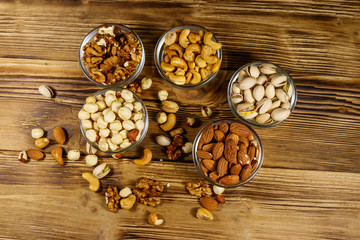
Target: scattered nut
pixel 149 193
pixel 199 190
pixel 187 148
pixel 205 214
pixel 94 183
pixel 154 219
pixel 117 156
pixel 128 203
pixel 146 83
pixel 112 198
pixel 90 149
pixel 101 171
pixel 161 117
pixel 220 199
pixel 163 95
pixel 73 155
pixel 169 106
pixel 206 111
pixel 125 192
pixel 23 157
pixel 177 131
pixel 41 142
pixel 91 160
pixel 56 153
pixel 170 123
pixel 35 154
pixel 37 133
pixel 163 140
pixel 146 159
pixel 218 190
pixel 59 135
pixel 174 150
pixel 46 91
pixel 189 121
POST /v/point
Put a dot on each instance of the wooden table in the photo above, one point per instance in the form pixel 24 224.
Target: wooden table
pixel 309 184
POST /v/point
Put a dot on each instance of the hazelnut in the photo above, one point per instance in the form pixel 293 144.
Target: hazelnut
pixel 37 133
pixel 161 117
pixel 163 95
pixel 91 160
pixel 73 155
pixel 125 192
pixel 218 190
pixel 146 83
pixel 189 121
pixel 206 111
pixel 83 115
pixel 124 113
pixel 23 157
pixel 187 148
pixel 90 99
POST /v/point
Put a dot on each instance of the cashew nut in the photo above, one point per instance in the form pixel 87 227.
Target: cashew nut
pixel 200 62
pixel 191 64
pixel 145 159
pixel 183 40
pixel 167 67
pixel 188 77
pixel 180 80
pixel 170 53
pixel 94 182
pixel 179 62
pixel 204 73
pixel 170 123
pixel 167 59
pixel 190 51
pixel 201 34
pixel 208 41
pixel 194 38
pixel 196 77
pixel 177 48
pixel 170 38
pixel 180 72
pixel 216 66
pixel 206 55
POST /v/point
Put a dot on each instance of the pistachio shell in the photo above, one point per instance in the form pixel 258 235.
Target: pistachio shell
pixel 235 88
pixel 242 75
pixel 259 92
pixel 275 104
pixel 237 98
pixel 270 91
pixel 268 68
pixel 248 97
pixel 101 171
pixel 247 83
pixel 281 95
pixel 251 115
pixel 280 114
pixel 288 88
pixel 286 105
pixel 264 105
pixel 46 91
pixel 263 118
pixel 253 71
pixel 278 80
pixel 261 79
pixel 245 107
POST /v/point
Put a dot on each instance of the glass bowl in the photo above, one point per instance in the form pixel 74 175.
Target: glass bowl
pixel 258 157
pixel 142 133
pixel 253 122
pixel 159 56
pixel 90 38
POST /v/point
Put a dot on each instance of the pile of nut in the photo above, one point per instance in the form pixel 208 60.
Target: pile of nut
pixel 262 93
pixel 228 152
pixel 113 121
pixel 190 57
pixel 113 56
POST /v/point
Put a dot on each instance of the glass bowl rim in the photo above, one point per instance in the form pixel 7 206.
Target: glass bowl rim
pixel 197 161
pixel 143 132
pixel 158 49
pixel 254 123
pixel 87 39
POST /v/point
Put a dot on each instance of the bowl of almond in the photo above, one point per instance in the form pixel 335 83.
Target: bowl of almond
pixel 113 120
pixel 227 153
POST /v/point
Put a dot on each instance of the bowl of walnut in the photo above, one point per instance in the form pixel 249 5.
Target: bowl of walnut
pixel 111 55
pixel 227 153
pixel 113 120
pixel 188 56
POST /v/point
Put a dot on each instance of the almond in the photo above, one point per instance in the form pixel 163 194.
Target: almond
pixel 214 176
pixel 219 136
pixel 41 142
pixel 243 148
pixel 229 180
pixel 224 127
pixel 207 134
pixel 133 134
pixel 57 155
pixel 59 135
pixel 230 151
pixel 222 166
pixel 35 154
pixel 254 164
pixel 209 203
pixel 203 155
pixel 209 164
pixel 245 172
pixel 251 152
pixel 208 147
pixel 243 158
pixel 203 168
pixel 232 136
pixel 218 150
pixel 239 129
pixel 236 169
pixel 244 140
pixel 220 198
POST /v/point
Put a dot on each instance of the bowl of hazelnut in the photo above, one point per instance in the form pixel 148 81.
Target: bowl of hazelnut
pixel 111 55
pixel 227 153
pixel 188 56
pixel 114 120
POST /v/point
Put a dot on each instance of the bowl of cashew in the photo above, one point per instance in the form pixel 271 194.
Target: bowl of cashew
pixel 188 56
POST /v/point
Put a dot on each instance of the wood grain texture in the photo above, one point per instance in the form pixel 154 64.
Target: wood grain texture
pixel 309 184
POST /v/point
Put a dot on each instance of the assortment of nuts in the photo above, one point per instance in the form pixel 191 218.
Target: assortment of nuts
pixel 228 152
pixel 190 57
pixel 262 93
pixel 113 121
pixel 113 55
pixel 114 200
